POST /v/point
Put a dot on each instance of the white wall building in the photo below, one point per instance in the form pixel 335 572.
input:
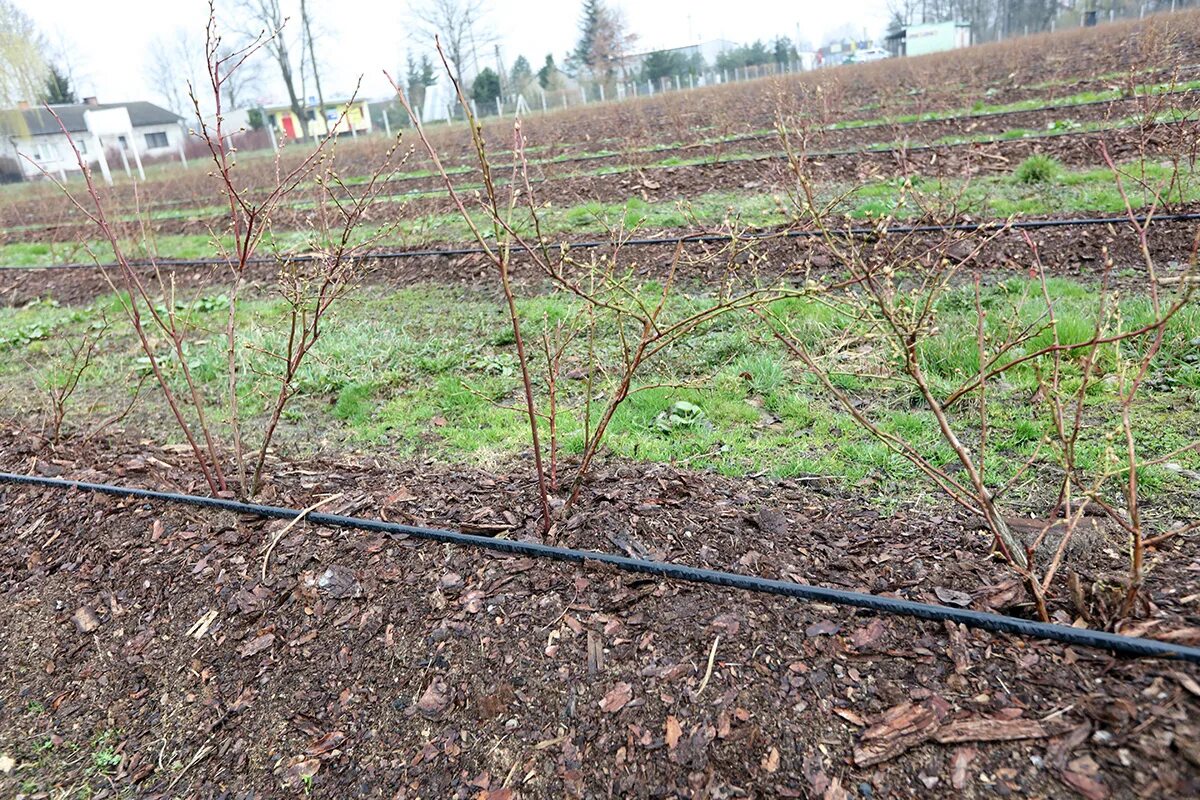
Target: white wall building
pixel 35 133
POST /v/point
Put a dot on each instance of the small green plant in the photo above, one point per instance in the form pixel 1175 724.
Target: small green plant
pixel 681 416
pixel 105 759
pixel 1038 168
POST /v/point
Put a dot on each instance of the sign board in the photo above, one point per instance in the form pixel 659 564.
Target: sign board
pixel 108 121
pixel 933 37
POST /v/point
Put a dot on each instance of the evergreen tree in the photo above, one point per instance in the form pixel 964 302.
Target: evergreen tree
pixel 418 77
pixel 582 58
pixel 521 74
pixel 548 75
pixel 485 90
pixel 58 89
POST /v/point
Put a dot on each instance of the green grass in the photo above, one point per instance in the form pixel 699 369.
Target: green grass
pixel 1038 168
pixel 427 372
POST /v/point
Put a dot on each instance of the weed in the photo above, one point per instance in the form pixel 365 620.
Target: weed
pixel 1038 168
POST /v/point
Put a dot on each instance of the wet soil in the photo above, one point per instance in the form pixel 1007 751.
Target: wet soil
pixel 1077 252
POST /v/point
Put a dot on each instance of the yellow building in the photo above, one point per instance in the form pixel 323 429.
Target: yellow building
pixel 286 124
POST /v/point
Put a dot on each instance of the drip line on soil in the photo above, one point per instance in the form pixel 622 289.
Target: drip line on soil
pixel 997 623
pixel 704 238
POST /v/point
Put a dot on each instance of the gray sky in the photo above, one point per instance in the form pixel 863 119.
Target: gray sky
pixel 107 42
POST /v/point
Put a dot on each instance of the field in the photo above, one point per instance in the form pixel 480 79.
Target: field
pixel 918 329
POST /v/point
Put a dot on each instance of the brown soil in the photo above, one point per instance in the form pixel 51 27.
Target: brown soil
pixel 383 666
pixel 53 219
pixel 767 173
pixel 1069 252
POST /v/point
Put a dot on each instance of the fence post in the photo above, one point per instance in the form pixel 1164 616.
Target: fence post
pixel 583 93
pixel 387 123
pixel 602 93
pixel 543 91
pixel 649 86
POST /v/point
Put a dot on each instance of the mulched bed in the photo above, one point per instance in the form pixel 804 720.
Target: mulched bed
pixel 56 221
pixel 146 654
pixel 1068 252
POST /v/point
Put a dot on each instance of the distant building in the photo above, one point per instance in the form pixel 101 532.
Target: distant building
pixel 34 132
pixel 285 123
pixel 930 37
pixel 840 52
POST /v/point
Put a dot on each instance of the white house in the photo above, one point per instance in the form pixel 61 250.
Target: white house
pixel 35 133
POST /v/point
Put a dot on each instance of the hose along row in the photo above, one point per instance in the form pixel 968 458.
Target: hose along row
pixel 705 238
pixel 997 623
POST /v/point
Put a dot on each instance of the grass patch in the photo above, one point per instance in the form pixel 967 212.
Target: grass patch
pixel 428 372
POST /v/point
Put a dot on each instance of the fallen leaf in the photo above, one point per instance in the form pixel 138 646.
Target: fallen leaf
pixel 990 730
pixel 674 731
pixel 825 627
pixel 301 772
pixel 7 763
pixel 952 597
pixel 616 698
pixel 868 635
pixel 1187 682
pixel 770 761
pixel 330 741
pixel 434 699
pixel 1087 786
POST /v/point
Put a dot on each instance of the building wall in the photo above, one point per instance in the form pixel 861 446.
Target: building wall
pixel 286 123
pixel 935 37
pixel 54 154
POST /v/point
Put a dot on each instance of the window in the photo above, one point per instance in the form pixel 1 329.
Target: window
pixel 121 141
pixel 83 147
pixel 156 139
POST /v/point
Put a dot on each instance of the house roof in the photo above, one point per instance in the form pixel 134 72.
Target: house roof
pixel 39 121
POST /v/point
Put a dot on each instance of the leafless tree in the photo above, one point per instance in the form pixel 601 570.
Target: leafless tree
pixel 174 63
pixel 242 83
pixel 268 17
pixel 306 23
pixel 459 26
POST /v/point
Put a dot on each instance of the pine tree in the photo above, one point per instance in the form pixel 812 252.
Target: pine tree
pixel 582 58
pixel 418 77
pixel 58 89
pixel 521 74
pixel 547 76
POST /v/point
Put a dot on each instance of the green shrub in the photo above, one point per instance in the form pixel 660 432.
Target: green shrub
pixel 1037 168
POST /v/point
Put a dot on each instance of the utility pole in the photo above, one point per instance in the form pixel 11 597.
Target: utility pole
pixel 500 70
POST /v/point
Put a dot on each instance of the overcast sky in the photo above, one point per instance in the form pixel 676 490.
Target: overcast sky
pixel 107 41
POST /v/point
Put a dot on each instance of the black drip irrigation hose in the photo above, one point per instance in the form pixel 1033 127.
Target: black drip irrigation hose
pixel 701 238
pixel 996 623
